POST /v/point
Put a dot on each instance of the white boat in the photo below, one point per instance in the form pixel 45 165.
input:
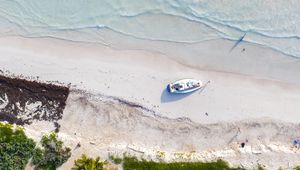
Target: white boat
pixel 185 86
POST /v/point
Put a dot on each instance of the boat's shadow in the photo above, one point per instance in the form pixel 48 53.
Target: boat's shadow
pixel 166 96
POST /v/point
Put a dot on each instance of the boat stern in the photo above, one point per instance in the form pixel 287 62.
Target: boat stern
pixel 170 89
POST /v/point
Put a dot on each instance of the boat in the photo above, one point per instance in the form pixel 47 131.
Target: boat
pixel 185 86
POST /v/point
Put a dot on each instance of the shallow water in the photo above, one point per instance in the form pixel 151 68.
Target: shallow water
pixel 273 23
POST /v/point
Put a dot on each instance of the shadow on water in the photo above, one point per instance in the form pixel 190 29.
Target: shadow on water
pixel 166 96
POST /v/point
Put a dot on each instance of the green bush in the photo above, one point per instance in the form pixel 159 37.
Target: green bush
pixel 132 163
pixel 115 159
pixel 52 154
pixel 261 167
pixel 15 147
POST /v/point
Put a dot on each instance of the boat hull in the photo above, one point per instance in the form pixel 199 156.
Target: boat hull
pixel 185 86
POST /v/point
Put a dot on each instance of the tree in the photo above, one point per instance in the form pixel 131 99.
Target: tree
pixel 86 163
pixel 52 154
pixel 15 147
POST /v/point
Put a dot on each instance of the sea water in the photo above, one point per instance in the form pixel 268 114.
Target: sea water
pixel 272 23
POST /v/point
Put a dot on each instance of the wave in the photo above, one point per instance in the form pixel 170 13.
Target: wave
pixel 270 23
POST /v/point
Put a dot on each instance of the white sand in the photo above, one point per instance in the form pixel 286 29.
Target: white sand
pixel 232 101
pixel 107 126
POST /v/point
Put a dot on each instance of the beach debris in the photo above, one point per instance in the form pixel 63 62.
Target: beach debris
pixel 297 143
pixel 257 150
pixel 92 143
pixel 77 146
pixel 3 101
pixel 243 143
pixel 206 113
pixel 57 126
pixel 204 86
pixel 136 148
pixel 235 136
pixel 23 101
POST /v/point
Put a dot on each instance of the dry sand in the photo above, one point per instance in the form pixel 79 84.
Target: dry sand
pixel 105 126
pixel 106 84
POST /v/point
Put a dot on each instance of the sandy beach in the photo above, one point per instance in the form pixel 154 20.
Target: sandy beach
pixel 118 100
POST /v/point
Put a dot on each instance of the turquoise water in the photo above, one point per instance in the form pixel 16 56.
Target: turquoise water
pixel 273 23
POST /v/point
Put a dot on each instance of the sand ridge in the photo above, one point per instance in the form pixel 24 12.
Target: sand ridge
pixel 106 126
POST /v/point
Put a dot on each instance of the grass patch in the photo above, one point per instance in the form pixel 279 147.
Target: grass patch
pixel 115 159
pixel 132 163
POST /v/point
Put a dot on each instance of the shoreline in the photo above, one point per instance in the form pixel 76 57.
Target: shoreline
pixel 101 70
pixel 149 49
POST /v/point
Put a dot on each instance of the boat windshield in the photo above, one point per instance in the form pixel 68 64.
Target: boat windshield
pixel 177 86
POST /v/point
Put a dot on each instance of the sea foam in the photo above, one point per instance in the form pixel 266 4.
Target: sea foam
pixel 267 22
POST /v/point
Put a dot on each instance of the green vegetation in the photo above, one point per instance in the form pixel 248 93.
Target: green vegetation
pixel 52 154
pixel 86 163
pixel 15 147
pixel 297 168
pixel 132 163
pixel 115 159
pixel 261 167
